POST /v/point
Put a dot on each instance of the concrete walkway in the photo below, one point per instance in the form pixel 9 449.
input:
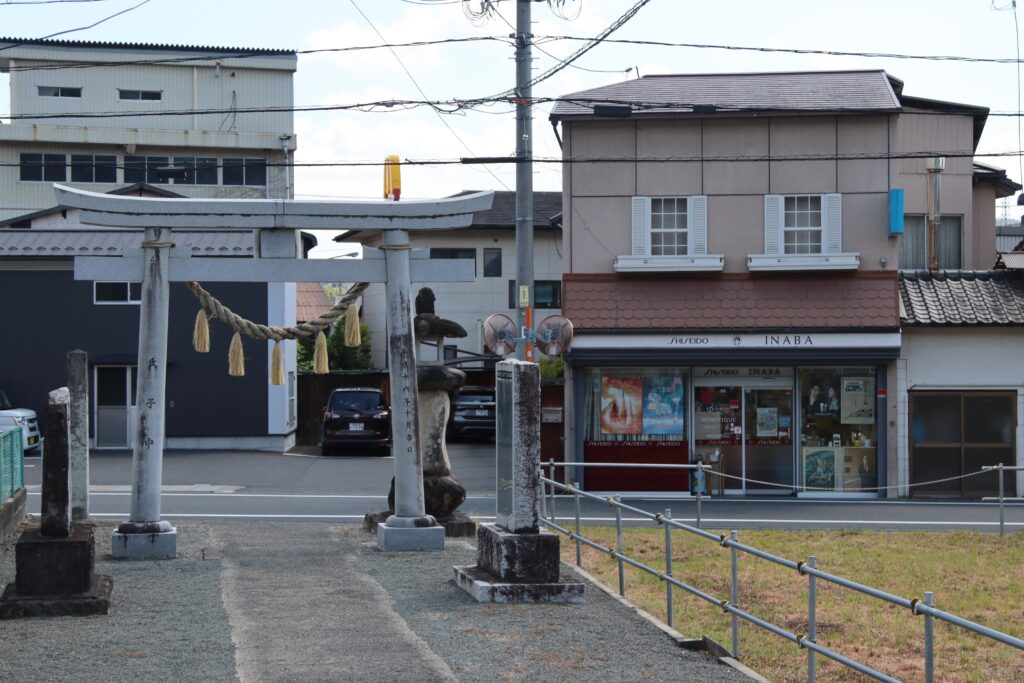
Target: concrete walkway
pixel 311 602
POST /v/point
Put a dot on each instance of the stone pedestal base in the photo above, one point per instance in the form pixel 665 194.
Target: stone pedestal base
pixel 96 600
pixel 456 525
pixel 162 545
pixel 485 588
pixel 392 538
pixel 55 577
pixel 517 568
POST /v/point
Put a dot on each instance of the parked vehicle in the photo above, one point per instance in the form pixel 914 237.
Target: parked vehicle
pixel 11 417
pixel 355 419
pixel 473 413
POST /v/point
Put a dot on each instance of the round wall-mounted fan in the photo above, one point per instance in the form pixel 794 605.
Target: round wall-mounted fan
pixel 499 332
pixel 554 335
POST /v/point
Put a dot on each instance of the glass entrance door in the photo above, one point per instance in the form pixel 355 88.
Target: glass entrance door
pixel 768 439
pixel 718 432
pixel 115 405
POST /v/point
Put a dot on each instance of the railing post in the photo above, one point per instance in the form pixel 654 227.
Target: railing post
pixel 1002 513
pixel 734 596
pixel 554 512
pixel 700 485
pixel 543 497
pixel 929 652
pixel 579 547
pixel 669 605
pixel 812 616
pixel 618 547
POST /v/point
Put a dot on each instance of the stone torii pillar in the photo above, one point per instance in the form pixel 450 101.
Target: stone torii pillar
pixel 161 261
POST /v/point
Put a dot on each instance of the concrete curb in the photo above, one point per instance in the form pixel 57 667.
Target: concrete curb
pixel 700 644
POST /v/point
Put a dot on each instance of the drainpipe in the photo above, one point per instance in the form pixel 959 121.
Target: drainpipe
pixel 934 166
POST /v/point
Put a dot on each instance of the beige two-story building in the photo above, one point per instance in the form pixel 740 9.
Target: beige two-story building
pixel 732 247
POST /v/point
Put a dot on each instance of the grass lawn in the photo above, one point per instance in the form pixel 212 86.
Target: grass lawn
pixel 976 576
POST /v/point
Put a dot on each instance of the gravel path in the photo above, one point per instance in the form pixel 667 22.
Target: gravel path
pixel 311 602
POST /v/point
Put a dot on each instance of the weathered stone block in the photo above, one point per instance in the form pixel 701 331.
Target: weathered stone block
pixel 517 386
pixel 144 546
pixel 94 601
pixel 484 588
pixel 53 565
pixel 390 538
pixel 512 557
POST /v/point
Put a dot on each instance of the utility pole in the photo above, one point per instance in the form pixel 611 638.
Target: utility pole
pixel 524 176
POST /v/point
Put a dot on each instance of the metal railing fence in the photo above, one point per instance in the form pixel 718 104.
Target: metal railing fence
pixel 12 462
pixel 923 607
pixel 1001 498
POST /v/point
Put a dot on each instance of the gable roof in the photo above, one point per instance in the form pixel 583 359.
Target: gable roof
pixel 311 301
pixel 94 44
pixel 959 298
pixel 817 91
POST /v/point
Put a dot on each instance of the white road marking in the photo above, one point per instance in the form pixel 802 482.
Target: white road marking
pixel 94 491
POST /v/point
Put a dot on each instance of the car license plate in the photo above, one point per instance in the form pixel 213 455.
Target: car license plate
pixel 31 440
pixel 355 426
pixel 481 413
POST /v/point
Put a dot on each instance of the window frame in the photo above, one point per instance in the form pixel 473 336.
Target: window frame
pixel 131 289
pixel 642 257
pixel 109 163
pixel 194 166
pixel 246 166
pixel 444 253
pixel 72 92
pixel 148 169
pixel 513 298
pixel 122 91
pixel 47 165
pixel 796 212
pixel 831 257
pixel 491 272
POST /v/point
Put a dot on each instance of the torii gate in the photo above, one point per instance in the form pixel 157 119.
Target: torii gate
pixel 276 222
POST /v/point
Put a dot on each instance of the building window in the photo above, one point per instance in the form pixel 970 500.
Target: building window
pixel 954 434
pixel 116 292
pixel 802 226
pixel 58 91
pixel 292 400
pixel 198 170
pixel 546 294
pixel 948 245
pixel 145 95
pixel 492 262
pixel 803 232
pixel 89 168
pixel 252 172
pixel 455 253
pixel 49 168
pixel 669 226
pixel 139 169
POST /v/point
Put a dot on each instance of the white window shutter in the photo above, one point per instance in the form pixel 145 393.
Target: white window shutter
pixel 698 225
pixel 832 222
pixel 641 225
pixel 773 222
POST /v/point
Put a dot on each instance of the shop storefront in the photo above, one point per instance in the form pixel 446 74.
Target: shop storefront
pixel 806 421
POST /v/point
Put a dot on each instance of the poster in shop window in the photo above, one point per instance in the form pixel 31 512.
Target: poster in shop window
pixel 622 406
pixel 767 423
pixel 820 468
pixel 858 401
pixel 663 405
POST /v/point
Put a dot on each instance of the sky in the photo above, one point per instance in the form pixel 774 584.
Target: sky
pixel 968 28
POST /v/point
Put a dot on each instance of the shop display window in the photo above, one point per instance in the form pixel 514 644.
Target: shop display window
pixel 636 415
pixel 838 439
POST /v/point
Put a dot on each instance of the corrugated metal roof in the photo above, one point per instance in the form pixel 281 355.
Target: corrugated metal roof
pixel 957 298
pixel 146 46
pixel 799 91
pixel 54 243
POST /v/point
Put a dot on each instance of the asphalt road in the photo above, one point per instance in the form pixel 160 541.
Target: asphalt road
pixel 304 486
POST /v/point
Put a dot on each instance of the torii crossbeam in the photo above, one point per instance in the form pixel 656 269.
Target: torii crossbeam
pixel 276 222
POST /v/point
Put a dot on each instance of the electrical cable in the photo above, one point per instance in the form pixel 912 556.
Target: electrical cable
pixel 43 2
pixel 424 95
pixel 83 28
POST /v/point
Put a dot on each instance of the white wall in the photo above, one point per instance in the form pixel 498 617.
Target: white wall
pixel 960 358
pixel 469 303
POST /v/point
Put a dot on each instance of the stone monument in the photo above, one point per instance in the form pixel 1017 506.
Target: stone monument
pixel 517 561
pixel 55 562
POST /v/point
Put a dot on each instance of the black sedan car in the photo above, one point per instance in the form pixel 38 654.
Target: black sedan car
pixel 473 413
pixel 355 420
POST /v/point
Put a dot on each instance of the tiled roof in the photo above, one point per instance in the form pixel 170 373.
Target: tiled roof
pixel 803 91
pixel 311 301
pixel 1011 260
pixel 502 213
pixel 732 302
pixel 955 297
pixel 53 243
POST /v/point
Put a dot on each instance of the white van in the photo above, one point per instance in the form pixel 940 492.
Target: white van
pixel 11 417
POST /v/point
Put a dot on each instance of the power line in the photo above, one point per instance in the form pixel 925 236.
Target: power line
pixel 43 2
pixel 423 94
pixel 83 28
